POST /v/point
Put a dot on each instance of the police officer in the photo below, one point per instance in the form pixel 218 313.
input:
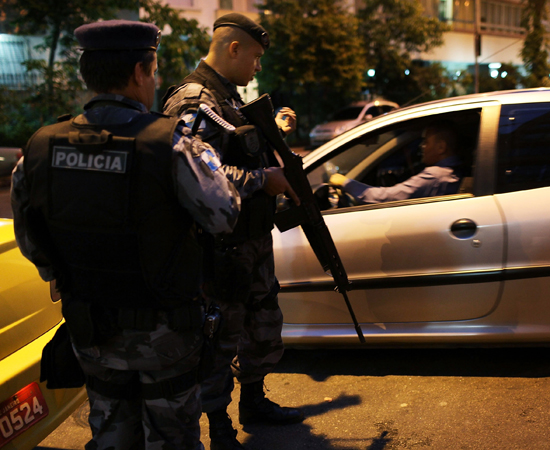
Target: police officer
pixel 246 284
pixel 106 204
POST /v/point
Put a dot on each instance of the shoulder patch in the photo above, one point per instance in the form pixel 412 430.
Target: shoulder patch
pixel 211 159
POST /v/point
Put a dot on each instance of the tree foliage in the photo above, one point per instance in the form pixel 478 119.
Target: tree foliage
pixel 508 77
pixel 315 55
pixel 392 31
pixel 60 89
pixel 424 82
pixel 183 42
pixel 56 20
pixel 534 53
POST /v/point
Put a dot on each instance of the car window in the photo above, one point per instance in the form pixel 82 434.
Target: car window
pixel 387 108
pixel 392 154
pixel 350 113
pixel 374 111
pixel 523 153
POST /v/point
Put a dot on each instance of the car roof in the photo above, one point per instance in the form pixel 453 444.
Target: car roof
pixel 517 96
pixel 504 97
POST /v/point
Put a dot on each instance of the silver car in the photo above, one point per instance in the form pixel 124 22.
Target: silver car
pixel 349 117
pixel 472 268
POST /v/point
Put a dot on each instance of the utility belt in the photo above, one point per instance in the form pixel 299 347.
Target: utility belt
pixel 61 369
pixel 147 391
pixel 90 324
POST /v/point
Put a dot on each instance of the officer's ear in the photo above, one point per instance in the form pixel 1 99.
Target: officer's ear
pixel 139 74
pixel 234 48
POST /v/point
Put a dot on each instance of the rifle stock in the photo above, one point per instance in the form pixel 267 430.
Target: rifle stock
pixel 260 113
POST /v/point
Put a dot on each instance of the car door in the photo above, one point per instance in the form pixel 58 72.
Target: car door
pixel 523 193
pixel 423 260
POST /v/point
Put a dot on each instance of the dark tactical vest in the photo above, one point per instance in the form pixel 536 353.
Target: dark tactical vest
pixel 257 212
pixel 103 209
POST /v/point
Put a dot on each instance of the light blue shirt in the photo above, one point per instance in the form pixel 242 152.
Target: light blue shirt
pixel 439 179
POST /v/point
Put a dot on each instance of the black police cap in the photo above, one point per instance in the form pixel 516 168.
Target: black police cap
pixel 111 35
pixel 244 23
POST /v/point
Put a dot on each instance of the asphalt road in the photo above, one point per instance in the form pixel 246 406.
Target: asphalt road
pixel 438 399
pixel 376 399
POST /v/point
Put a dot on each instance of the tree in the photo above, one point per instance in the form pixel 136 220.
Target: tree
pixel 506 77
pixel 61 90
pixel 316 59
pixel 393 30
pixel 183 42
pixel 422 82
pixel 534 53
pixel 56 21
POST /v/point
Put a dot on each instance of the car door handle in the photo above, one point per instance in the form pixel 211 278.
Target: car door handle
pixel 464 228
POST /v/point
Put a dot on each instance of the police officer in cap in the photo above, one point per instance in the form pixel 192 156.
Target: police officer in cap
pixel 106 204
pixel 245 285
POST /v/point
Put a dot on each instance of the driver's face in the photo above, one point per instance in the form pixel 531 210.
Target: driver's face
pixel 430 148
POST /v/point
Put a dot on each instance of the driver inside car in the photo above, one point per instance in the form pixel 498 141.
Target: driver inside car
pixel 441 176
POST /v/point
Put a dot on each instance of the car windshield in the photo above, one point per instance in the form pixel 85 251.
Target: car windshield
pixel 349 113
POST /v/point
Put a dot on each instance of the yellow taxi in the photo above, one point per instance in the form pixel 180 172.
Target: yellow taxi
pixel 30 317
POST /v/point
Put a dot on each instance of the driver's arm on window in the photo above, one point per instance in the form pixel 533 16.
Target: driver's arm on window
pixel 427 183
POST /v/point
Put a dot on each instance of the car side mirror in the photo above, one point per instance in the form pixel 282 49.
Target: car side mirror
pixel 367 117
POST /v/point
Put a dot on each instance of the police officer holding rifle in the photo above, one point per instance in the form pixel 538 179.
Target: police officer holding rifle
pixel 244 282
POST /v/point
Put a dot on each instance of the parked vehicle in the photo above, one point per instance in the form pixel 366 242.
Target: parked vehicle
pixel 28 410
pixel 349 117
pixel 472 268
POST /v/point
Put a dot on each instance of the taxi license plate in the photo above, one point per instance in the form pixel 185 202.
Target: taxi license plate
pixel 21 411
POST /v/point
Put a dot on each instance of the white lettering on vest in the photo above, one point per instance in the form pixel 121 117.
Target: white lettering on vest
pixel 107 161
pixel 99 162
pixel 59 158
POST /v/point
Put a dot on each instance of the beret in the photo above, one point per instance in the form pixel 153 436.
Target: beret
pixel 118 35
pixel 244 23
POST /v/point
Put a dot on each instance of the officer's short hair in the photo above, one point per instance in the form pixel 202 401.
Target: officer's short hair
pixel 240 21
pixel 105 71
pixel 111 50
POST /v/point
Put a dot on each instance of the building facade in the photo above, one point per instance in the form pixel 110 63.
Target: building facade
pixel 496 21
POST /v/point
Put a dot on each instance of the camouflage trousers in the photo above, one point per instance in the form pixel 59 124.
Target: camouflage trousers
pixel 250 343
pixel 135 423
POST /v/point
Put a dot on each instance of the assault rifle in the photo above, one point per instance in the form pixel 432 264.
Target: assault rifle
pixel 260 113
